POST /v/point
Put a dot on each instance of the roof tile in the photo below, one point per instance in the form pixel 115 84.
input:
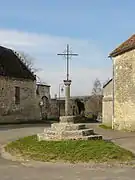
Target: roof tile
pixel 12 66
pixel 124 47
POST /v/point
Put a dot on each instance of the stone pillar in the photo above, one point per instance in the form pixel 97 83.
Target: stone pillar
pixel 67 84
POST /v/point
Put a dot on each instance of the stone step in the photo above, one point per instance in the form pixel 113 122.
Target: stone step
pixel 43 137
pixel 94 137
pixel 90 137
pixel 82 132
pixel 67 126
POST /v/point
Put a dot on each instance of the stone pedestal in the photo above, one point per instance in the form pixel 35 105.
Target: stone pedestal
pixel 68 130
pixel 68 119
pixel 67 84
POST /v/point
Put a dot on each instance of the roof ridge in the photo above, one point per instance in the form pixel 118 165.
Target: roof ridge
pixel 16 53
pixel 125 46
pixel 13 66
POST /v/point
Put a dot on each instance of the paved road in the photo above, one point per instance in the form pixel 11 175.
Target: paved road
pixel 48 171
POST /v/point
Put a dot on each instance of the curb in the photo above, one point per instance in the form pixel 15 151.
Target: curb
pixel 123 146
pixel 5 155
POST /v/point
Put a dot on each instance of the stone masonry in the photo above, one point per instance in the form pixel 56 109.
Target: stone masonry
pixel 19 100
pixel 123 58
pixel 26 109
pixel 43 95
pixel 68 129
pixel 124 91
pixel 86 100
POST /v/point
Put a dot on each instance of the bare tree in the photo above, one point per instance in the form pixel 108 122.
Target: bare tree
pixel 96 99
pixel 28 61
pixel 97 88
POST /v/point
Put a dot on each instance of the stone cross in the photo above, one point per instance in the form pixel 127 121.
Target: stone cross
pixel 67 82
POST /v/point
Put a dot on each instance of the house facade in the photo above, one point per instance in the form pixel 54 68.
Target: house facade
pixel 123 59
pixel 18 96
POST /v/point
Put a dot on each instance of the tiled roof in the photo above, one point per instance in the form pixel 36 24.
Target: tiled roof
pixel 124 47
pixel 12 66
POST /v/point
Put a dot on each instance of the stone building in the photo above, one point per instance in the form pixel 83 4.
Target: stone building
pixel 43 100
pixel 18 96
pixel 123 59
pixel 107 103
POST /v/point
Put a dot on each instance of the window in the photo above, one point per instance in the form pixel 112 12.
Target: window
pixel 17 95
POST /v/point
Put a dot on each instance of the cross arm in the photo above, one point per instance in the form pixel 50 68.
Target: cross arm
pixel 68 54
pixel 73 54
pixel 61 54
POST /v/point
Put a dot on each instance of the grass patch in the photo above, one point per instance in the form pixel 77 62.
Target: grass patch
pixel 69 150
pixel 104 126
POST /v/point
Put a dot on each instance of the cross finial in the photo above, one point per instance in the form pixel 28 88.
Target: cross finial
pixel 68 54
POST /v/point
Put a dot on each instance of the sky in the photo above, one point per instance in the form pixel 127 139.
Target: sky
pixel 92 28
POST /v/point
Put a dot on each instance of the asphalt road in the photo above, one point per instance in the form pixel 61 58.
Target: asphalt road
pixel 10 170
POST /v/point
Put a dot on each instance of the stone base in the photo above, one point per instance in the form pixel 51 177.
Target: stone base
pixel 47 137
pixel 72 119
pixel 67 126
pixel 67 130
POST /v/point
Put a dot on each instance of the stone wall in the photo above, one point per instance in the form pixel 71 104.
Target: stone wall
pixel 107 104
pixel 54 103
pixel 23 110
pixel 43 95
pixel 54 107
pixel 89 104
pixel 43 90
pixel 93 106
pixel 124 91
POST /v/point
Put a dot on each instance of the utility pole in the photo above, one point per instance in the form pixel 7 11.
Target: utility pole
pixel 67 82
